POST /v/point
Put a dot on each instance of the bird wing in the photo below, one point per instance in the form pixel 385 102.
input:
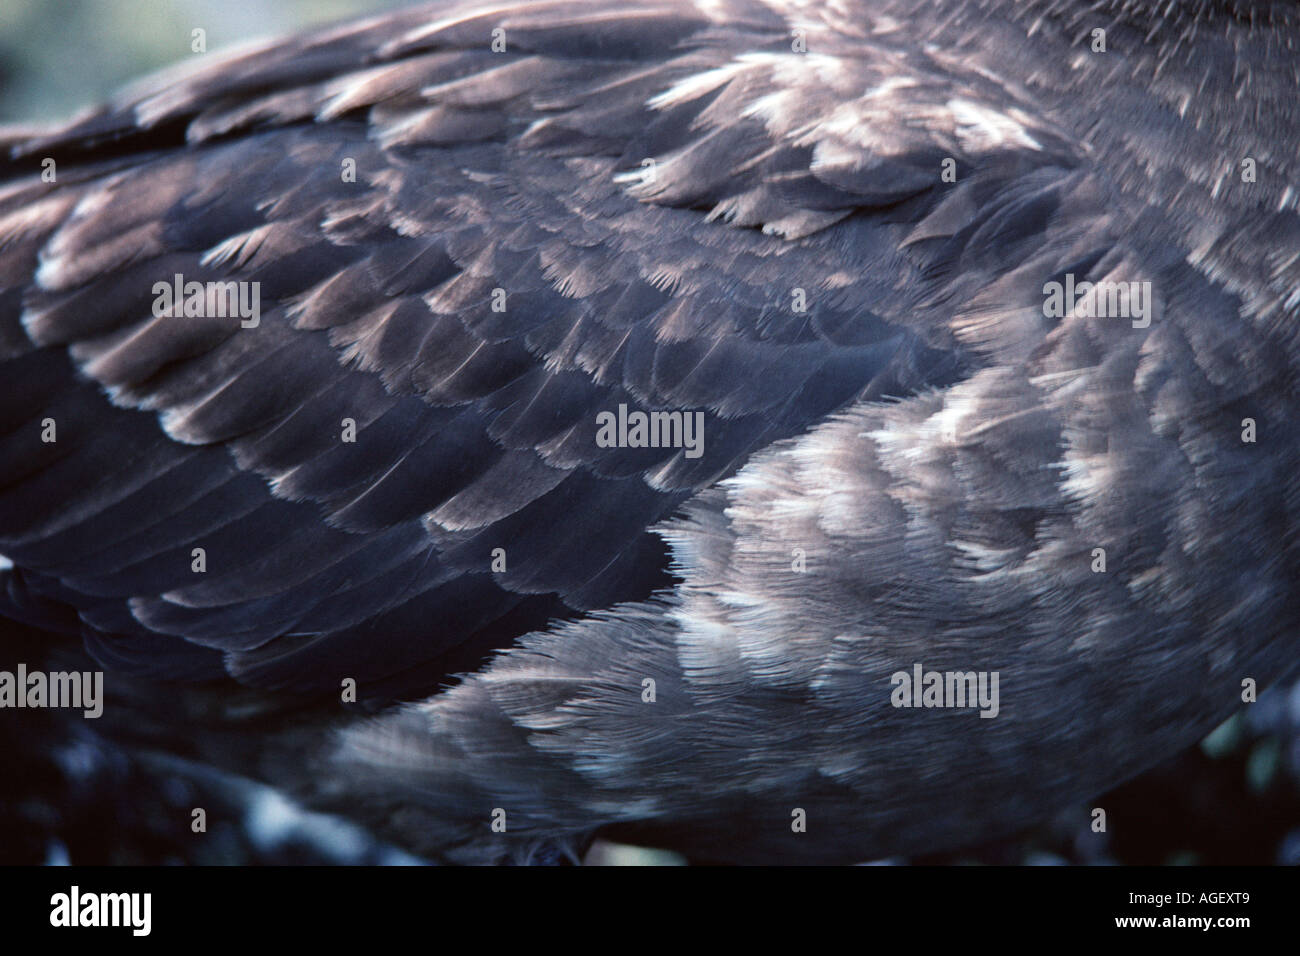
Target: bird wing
pixel 1078 510
pixel 639 204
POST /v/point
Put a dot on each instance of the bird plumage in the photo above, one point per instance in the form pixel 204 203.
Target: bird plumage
pixel 737 209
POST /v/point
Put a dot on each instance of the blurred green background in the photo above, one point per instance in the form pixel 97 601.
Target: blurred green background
pixel 57 56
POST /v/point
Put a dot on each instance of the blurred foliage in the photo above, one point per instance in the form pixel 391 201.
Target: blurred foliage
pixel 57 56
